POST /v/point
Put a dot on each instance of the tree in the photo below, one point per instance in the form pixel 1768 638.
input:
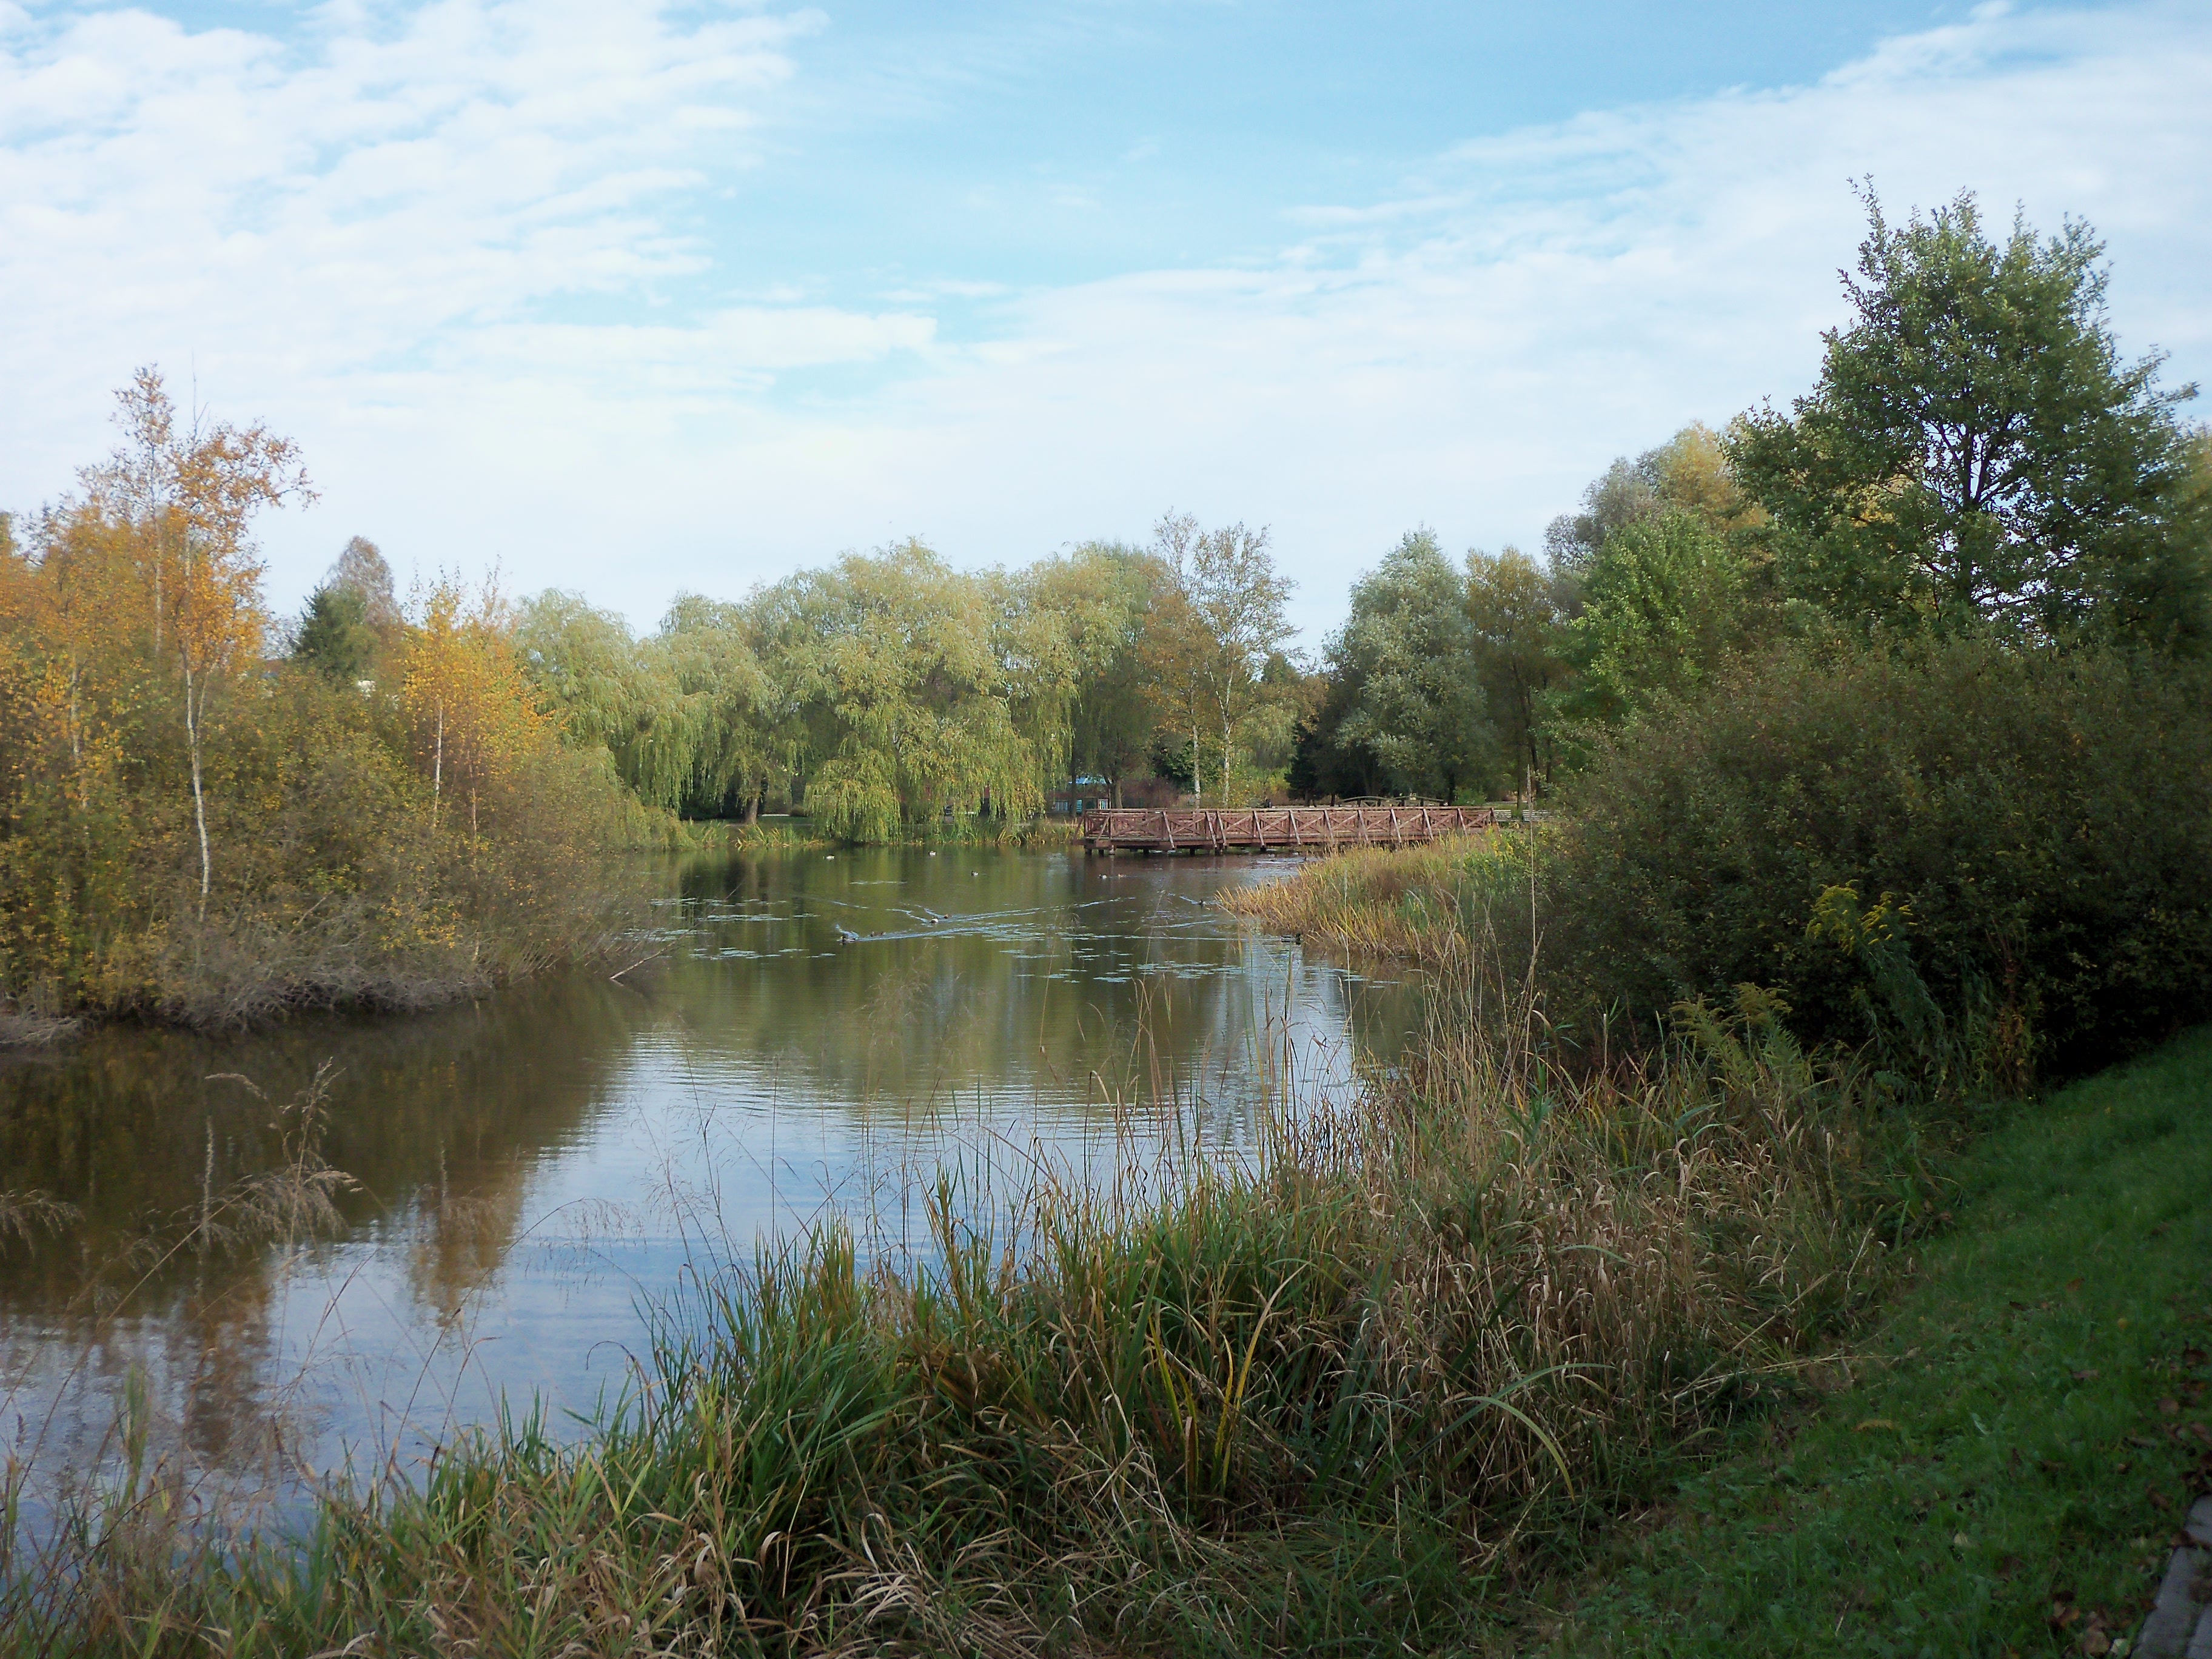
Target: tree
pixel 1213 627
pixel 1321 764
pixel 1625 492
pixel 1664 602
pixel 1689 473
pixel 335 638
pixel 729 701
pixel 187 499
pixel 608 689
pixel 465 694
pixel 1289 691
pixel 360 567
pixel 1411 644
pixel 901 678
pixel 1976 453
pixel 1516 610
pixel 1108 590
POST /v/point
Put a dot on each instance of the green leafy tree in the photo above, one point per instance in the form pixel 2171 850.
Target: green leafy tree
pixel 1664 603
pixel 1689 473
pixel 1215 623
pixel 1106 590
pixel 610 690
pixel 904 679
pixel 731 708
pixel 335 638
pixel 1411 644
pixel 1517 610
pixel 1289 692
pixel 1321 765
pixel 1976 450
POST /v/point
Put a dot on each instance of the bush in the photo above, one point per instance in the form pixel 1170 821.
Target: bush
pixel 2023 835
pixel 340 878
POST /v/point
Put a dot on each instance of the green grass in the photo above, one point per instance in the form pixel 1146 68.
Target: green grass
pixel 801 835
pixel 2003 1472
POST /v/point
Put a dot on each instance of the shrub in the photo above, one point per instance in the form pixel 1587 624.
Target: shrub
pixel 2026 833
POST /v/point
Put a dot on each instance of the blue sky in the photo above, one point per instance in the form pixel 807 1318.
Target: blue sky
pixel 637 298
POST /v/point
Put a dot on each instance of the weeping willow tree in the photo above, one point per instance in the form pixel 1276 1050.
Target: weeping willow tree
pixel 1076 624
pixel 891 688
pixel 908 677
pixel 734 714
pixel 610 690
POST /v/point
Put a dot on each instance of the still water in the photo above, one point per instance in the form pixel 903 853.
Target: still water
pixel 532 1173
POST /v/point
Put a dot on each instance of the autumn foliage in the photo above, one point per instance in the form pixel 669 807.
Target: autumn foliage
pixel 194 830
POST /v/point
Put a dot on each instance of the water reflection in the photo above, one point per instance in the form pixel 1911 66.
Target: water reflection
pixel 798 1033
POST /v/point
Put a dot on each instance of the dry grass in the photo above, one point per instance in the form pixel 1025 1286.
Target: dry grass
pixel 24 1029
pixel 1425 903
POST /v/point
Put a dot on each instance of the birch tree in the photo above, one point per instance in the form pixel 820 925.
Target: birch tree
pixel 188 496
pixel 1218 622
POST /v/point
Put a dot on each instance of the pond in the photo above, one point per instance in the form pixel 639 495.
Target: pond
pixel 807 1035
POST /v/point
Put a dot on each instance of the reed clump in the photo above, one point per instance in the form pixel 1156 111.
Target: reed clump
pixel 1425 903
pixel 1335 1398
pixel 760 836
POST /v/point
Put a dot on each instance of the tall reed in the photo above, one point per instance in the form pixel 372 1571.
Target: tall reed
pixel 1427 903
pixel 1329 1399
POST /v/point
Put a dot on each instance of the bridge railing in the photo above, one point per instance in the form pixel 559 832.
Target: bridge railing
pixel 1275 829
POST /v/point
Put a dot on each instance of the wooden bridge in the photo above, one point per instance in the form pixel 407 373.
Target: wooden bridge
pixel 1274 829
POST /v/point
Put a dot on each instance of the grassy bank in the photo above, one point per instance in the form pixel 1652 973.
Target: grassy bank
pixel 2001 1468
pixel 1431 903
pixel 801 835
pixel 762 836
pixel 1342 1400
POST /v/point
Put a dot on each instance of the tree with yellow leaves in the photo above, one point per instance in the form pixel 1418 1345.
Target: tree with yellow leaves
pixel 465 695
pixel 183 499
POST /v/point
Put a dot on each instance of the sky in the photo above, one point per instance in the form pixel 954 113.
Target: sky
pixel 638 299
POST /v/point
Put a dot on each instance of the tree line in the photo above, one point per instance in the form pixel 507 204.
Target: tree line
pixel 1975 457
pixel 889 690
pixel 204 808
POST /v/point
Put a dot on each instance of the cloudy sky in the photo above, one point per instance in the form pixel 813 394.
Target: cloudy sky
pixel 635 298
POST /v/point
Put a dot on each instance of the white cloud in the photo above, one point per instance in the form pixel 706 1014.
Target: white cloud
pixel 1472 352
pixel 454 250
pixel 290 217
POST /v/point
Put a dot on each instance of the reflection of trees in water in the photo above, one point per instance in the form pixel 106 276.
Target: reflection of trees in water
pixel 439 1120
pixel 460 1239
pixel 1070 989
pixel 1091 995
pixel 133 1129
pixel 1141 1001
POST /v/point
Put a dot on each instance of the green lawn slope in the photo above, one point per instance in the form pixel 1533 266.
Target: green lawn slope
pixel 2003 1472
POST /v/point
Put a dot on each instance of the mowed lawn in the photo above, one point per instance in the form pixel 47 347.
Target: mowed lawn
pixel 2005 1471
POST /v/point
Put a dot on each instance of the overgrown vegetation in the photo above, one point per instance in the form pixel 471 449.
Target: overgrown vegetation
pixel 1938 842
pixel 2002 1465
pixel 1338 1399
pixel 191 829
pixel 1431 903
pixel 2020 827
